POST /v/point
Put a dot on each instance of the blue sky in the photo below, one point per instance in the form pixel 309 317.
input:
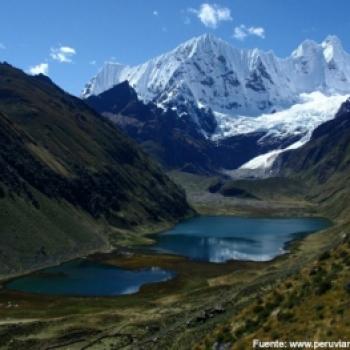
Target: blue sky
pixel 70 39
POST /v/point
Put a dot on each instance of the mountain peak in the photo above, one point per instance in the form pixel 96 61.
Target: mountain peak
pixel 206 40
pixel 333 49
pixel 306 48
pixel 332 40
pixel 113 65
pixel 207 36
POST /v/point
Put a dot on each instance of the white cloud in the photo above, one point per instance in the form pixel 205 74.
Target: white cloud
pixel 242 31
pixel 93 62
pixel 155 13
pixel 2 46
pixel 258 31
pixel 212 15
pixel 239 33
pixel 41 68
pixel 62 54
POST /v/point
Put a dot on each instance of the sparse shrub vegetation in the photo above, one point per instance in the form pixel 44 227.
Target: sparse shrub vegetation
pixel 225 335
pixel 347 287
pixel 258 309
pixel 325 256
pixel 323 287
pixel 340 311
pixel 274 335
pixel 337 267
pixel 319 307
pixel 285 316
pixel 288 285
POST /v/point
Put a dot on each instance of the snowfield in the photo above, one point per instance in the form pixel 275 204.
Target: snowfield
pixel 300 119
pixel 266 160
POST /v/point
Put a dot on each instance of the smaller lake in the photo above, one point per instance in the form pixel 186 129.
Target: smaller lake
pixel 222 238
pixel 88 278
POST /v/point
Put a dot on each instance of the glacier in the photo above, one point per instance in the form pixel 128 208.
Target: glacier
pixel 246 90
pixel 302 118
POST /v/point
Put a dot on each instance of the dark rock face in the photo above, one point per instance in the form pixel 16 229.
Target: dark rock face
pixel 125 94
pixel 255 82
pixel 229 191
pixel 174 139
pixel 215 186
pixel 257 77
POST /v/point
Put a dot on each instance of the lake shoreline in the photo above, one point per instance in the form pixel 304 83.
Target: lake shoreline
pixel 127 257
pixel 86 278
pixel 144 232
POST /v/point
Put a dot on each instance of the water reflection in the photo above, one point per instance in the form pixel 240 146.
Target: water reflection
pixel 219 239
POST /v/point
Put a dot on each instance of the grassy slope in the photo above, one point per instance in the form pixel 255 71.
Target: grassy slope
pixel 275 196
pixel 311 304
pixel 66 174
pixel 32 238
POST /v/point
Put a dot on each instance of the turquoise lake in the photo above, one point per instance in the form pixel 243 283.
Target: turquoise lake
pixel 88 278
pixel 222 238
pixel 215 239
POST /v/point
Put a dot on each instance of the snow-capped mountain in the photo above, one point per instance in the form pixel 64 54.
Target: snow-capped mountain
pixel 229 91
pixel 209 72
pixel 205 71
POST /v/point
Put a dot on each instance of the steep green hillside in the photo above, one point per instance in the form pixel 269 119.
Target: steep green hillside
pixel 68 177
